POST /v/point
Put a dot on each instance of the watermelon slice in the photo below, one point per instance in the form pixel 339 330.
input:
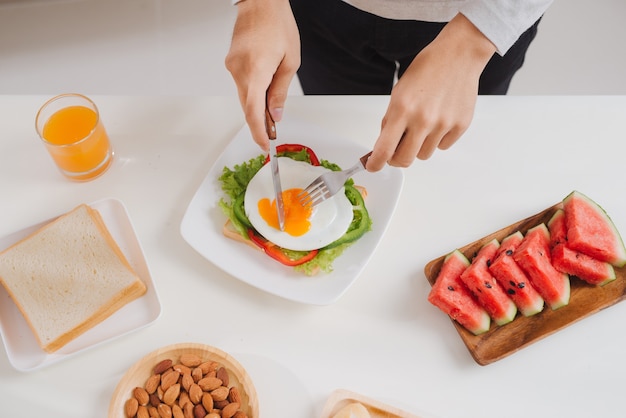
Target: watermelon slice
pixel 573 262
pixel 451 296
pixel 591 231
pixel 485 288
pixel 513 279
pixel 533 256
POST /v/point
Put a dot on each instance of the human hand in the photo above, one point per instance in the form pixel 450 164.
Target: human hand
pixel 263 58
pixel 433 103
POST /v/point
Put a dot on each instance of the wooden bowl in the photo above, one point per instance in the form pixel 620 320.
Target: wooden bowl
pixel 502 341
pixel 341 397
pixel 139 373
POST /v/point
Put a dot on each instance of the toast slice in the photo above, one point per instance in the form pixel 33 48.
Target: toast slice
pixel 68 276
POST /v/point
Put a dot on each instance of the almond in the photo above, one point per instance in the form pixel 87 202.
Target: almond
pixel 168 379
pixel 188 410
pixel 154 400
pixel 220 393
pixel 187 381
pixel 177 412
pixel 212 415
pixel 195 394
pixel 164 411
pixel 153 383
pixel 222 374
pixel 142 412
pixel 162 366
pixel 234 395
pixel 210 383
pixel 207 401
pixel 197 374
pixel 153 412
pixel 199 411
pixel 190 360
pixel 229 410
pixel 183 398
pixel 240 414
pixel 208 366
pixel 171 394
pixel 181 368
pixel 141 395
pixel 130 407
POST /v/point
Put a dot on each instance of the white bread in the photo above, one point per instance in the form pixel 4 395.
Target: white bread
pixel 68 276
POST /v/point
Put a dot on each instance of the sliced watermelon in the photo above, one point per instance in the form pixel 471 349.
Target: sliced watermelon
pixel 451 296
pixel 533 256
pixel 484 286
pixel 591 231
pixel 513 279
pixel 573 262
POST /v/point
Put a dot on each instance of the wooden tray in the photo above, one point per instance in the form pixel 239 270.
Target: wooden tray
pixel 341 397
pixel 501 341
pixel 139 373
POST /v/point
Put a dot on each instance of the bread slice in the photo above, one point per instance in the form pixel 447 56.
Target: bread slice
pixel 68 276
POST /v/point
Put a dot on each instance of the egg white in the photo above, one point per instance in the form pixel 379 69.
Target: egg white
pixel 329 220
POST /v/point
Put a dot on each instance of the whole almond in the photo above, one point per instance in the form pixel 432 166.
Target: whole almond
pixel 240 414
pixel 234 395
pixel 153 383
pixel 153 412
pixel 222 374
pixel 188 410
pixel 220 393
pixel 177 411
pixel 154 400
pixel 197 374
pixel 181 368
pixel 220 404
pixel 199 411
pixel 208 366
pixel 142 412
pixel 210 383
pixel 141 395
pixel 212 415
pixel 171 394
pixel 130 407
pixel 195 394
pixel 168 379
pixel 187 381
pixel 230 409
pixel 164 411
pixel 207 401
pixel 190 360
pixel 162 366
pixel 183 398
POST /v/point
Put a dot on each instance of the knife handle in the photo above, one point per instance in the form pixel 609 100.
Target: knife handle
pixel 270 125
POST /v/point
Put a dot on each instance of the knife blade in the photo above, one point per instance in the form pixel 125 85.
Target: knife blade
pixel 270 126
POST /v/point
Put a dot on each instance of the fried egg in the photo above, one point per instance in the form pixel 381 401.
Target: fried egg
pixel 305 228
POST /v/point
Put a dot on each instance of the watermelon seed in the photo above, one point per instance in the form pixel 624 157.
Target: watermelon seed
pixel 489 262
pixel 451 288
pixel 488 285
pixel 512 283
pixel 521 285
pixel 510 291
pixel 509 252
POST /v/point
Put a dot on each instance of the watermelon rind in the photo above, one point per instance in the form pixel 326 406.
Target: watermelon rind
pixel 451 296
pixel 593 240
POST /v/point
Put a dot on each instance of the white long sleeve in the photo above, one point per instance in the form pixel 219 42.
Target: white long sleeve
pixel 501 21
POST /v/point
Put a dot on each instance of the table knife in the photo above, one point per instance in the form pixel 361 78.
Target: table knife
pixel 270 126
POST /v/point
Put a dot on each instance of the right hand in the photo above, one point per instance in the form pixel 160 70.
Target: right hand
pixel 263 58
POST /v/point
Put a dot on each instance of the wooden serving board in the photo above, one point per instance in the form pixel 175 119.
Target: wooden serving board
pixel 142 370
pixel 501 341
pixel 341 397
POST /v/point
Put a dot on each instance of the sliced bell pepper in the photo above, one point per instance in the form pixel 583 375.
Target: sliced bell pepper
pixel 286 257
pixel 292 150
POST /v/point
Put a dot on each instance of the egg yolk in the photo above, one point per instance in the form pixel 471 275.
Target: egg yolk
pixel 297 217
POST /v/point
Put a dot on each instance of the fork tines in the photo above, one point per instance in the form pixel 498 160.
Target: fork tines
pixel 313 195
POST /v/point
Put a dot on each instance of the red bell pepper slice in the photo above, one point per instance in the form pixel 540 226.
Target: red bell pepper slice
pixel 296 148
pixel 276 252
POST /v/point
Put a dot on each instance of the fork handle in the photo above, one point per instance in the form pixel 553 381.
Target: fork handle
pixel 364 158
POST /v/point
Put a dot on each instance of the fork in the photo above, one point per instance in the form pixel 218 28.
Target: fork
pixel 328 184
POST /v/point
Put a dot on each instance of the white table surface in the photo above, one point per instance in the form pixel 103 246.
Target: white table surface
pixel 382 338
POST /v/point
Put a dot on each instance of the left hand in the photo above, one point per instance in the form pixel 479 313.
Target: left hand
pixel 432 104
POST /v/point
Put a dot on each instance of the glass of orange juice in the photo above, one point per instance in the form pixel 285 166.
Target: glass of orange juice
pixel 70 127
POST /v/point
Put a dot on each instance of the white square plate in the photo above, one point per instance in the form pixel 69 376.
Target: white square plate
pixel 203 221
pixel 22 348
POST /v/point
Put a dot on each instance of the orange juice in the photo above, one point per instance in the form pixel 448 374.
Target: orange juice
pixel 75 137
